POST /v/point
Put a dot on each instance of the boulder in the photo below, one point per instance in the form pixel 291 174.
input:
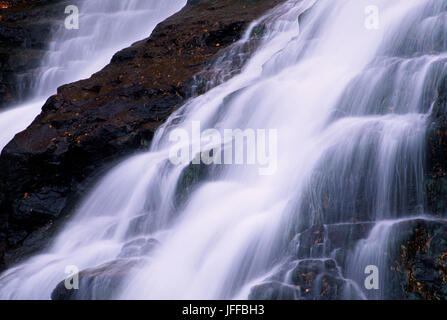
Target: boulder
pixel 98 283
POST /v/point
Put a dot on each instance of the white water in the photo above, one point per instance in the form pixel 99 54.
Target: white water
pixel 321 86
pixel 105 27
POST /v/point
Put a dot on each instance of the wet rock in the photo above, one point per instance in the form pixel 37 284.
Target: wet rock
pixel 33 243
pixel 436 193
pixel 190 177
pixel 436 154
pixel 138 248
pixel 274 291
pixel 322 241
pixel 346 235
pixel 226 34
pixel 417 261
pixel 309 279
pixel 98 283
pixel 318 279
pixel 124 55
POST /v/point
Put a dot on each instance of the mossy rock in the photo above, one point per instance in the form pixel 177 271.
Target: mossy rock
pixel 189 178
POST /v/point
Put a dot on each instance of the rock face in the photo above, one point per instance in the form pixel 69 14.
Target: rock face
pixel 309 279
pixel 93 122
pixel 25 28
pixel 417 261
pixel 436 167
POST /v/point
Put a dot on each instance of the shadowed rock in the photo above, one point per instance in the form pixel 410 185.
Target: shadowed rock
pixel 98 283
pixel 417 261
pixel 310 279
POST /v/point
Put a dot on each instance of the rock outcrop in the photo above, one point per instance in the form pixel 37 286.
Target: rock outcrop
pixel 94 122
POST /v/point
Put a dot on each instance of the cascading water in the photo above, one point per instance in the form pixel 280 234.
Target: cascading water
pixel 350 106
pixel 106 26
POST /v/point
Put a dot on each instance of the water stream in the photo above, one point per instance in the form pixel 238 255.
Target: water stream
pixel 350 107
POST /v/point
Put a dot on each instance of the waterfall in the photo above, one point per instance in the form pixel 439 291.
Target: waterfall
pixel 105 27
pixel 350 106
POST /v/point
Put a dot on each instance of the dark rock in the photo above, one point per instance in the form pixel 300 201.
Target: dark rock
pixel 309 279
pixel 322 241
pixel 436 154
pixel 98 283
pixel 33 243
pixel 417 260
pixel 318 279
pixel 226 34
pixel 124 55
pixel 274 291
pixel 190 177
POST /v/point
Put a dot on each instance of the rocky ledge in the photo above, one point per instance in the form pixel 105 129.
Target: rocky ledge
pixel 91 123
